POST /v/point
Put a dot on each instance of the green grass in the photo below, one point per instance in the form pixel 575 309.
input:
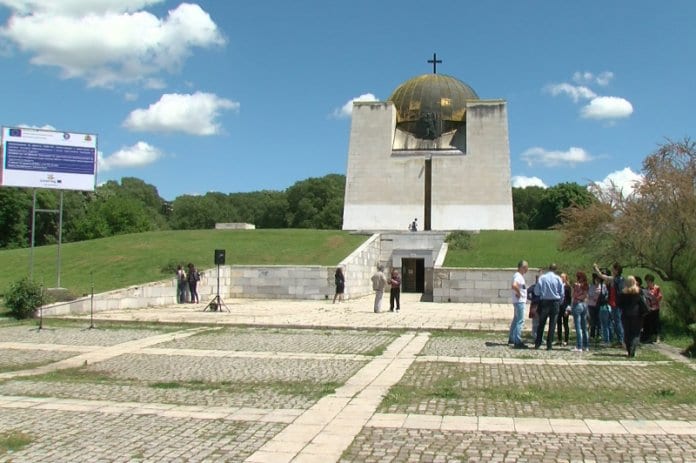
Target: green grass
pixel 12 441
pixel 125 260
pixel 503 249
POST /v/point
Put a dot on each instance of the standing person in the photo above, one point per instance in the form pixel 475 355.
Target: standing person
pixel 593 294
pixel 519 298
pixel 181 284
pixel 564 311
pixel 379 281
pixel 533 299
pixel 193 278
pixel 579 309
pixel 652 320
pixel 340 282
pixel 633 308
pixel 395 291
pixel 616 284
pixel 414 225
pixel 550 291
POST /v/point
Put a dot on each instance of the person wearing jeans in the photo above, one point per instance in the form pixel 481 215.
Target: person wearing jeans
pixel 519 298
pixel 616 284
pixel 579 310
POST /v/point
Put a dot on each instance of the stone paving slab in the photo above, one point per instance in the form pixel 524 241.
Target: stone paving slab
pixel 76 436
pixel 374 445
pixel 304 341
pixel 351 314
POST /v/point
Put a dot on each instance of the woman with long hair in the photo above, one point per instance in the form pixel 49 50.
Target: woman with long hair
pixel 633 308
pixel 579 310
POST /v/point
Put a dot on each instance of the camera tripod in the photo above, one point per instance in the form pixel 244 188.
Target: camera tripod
pixel 216 304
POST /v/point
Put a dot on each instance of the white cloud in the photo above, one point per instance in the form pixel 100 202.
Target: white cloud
pixel 43 127
pixel 520 181
pixel 347 109
pixel 586 78
pixel 138 155
pixel 599 107
pixel 194 114
pixel 107 42
pixel 76 7
pixel 572 156
pixel 607 107
pixel 624 180
pixel 576 92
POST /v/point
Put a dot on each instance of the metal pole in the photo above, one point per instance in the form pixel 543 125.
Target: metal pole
pixel 31 252
pixel 60 236
pixel 91 302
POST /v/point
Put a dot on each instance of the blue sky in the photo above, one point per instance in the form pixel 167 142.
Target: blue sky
pixel 223 95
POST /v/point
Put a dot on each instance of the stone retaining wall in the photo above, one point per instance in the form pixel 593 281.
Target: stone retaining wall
pixel 475 284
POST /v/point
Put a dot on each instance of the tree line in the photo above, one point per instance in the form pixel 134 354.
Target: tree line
pixel 132 206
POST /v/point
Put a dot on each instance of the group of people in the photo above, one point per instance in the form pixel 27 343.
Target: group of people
pixel 616 308
pixel 379 284
pixel 187 284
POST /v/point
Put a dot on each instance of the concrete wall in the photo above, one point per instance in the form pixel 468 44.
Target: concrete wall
pixel 475 284
pixel 359 266
pixel 155 294
pixel 235 226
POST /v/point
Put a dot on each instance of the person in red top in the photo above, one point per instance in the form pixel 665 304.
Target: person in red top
pixel 651 323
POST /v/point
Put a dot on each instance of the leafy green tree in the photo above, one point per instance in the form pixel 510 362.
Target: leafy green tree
pixel 557 198
pixel 15 217
pixel 525 205
pixel 316 202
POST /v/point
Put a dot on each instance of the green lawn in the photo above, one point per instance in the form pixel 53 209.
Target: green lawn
pixel 503 249
pixel 126 260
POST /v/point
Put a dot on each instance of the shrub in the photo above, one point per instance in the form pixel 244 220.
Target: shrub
pixel 459 240
pixel 23 298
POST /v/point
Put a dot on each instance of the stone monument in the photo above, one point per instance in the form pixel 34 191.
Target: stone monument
pixel 433 151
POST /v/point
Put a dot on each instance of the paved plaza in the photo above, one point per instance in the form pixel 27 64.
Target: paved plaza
pixel 310 381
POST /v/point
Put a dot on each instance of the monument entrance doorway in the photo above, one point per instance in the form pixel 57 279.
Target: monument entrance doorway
pixel 413 275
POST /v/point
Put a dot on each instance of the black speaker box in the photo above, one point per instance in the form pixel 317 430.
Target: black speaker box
pixel 219 257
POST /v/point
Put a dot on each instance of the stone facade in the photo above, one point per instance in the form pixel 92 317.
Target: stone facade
pixel 470 187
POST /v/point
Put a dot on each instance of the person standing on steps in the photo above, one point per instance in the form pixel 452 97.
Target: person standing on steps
pixel 379 282
pixel 395 291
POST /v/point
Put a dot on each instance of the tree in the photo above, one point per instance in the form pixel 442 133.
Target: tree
pixel 525 203
pixel 557 198
pixel 15 217
pixel 653 228
pixel 316 202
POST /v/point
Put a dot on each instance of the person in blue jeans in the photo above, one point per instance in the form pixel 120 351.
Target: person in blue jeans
pixel 519 299
pixel 616 284
pixel 579 310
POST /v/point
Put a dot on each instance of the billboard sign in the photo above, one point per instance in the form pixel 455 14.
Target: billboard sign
pixel 37 158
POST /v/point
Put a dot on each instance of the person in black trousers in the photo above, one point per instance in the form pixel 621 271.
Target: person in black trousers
pixel 395 291
pixel 633 308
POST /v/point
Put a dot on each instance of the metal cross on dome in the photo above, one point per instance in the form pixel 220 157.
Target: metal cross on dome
pixel 435 62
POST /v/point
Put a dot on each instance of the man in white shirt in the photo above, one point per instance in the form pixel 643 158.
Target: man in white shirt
pixel 519 299
pixel 379 281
